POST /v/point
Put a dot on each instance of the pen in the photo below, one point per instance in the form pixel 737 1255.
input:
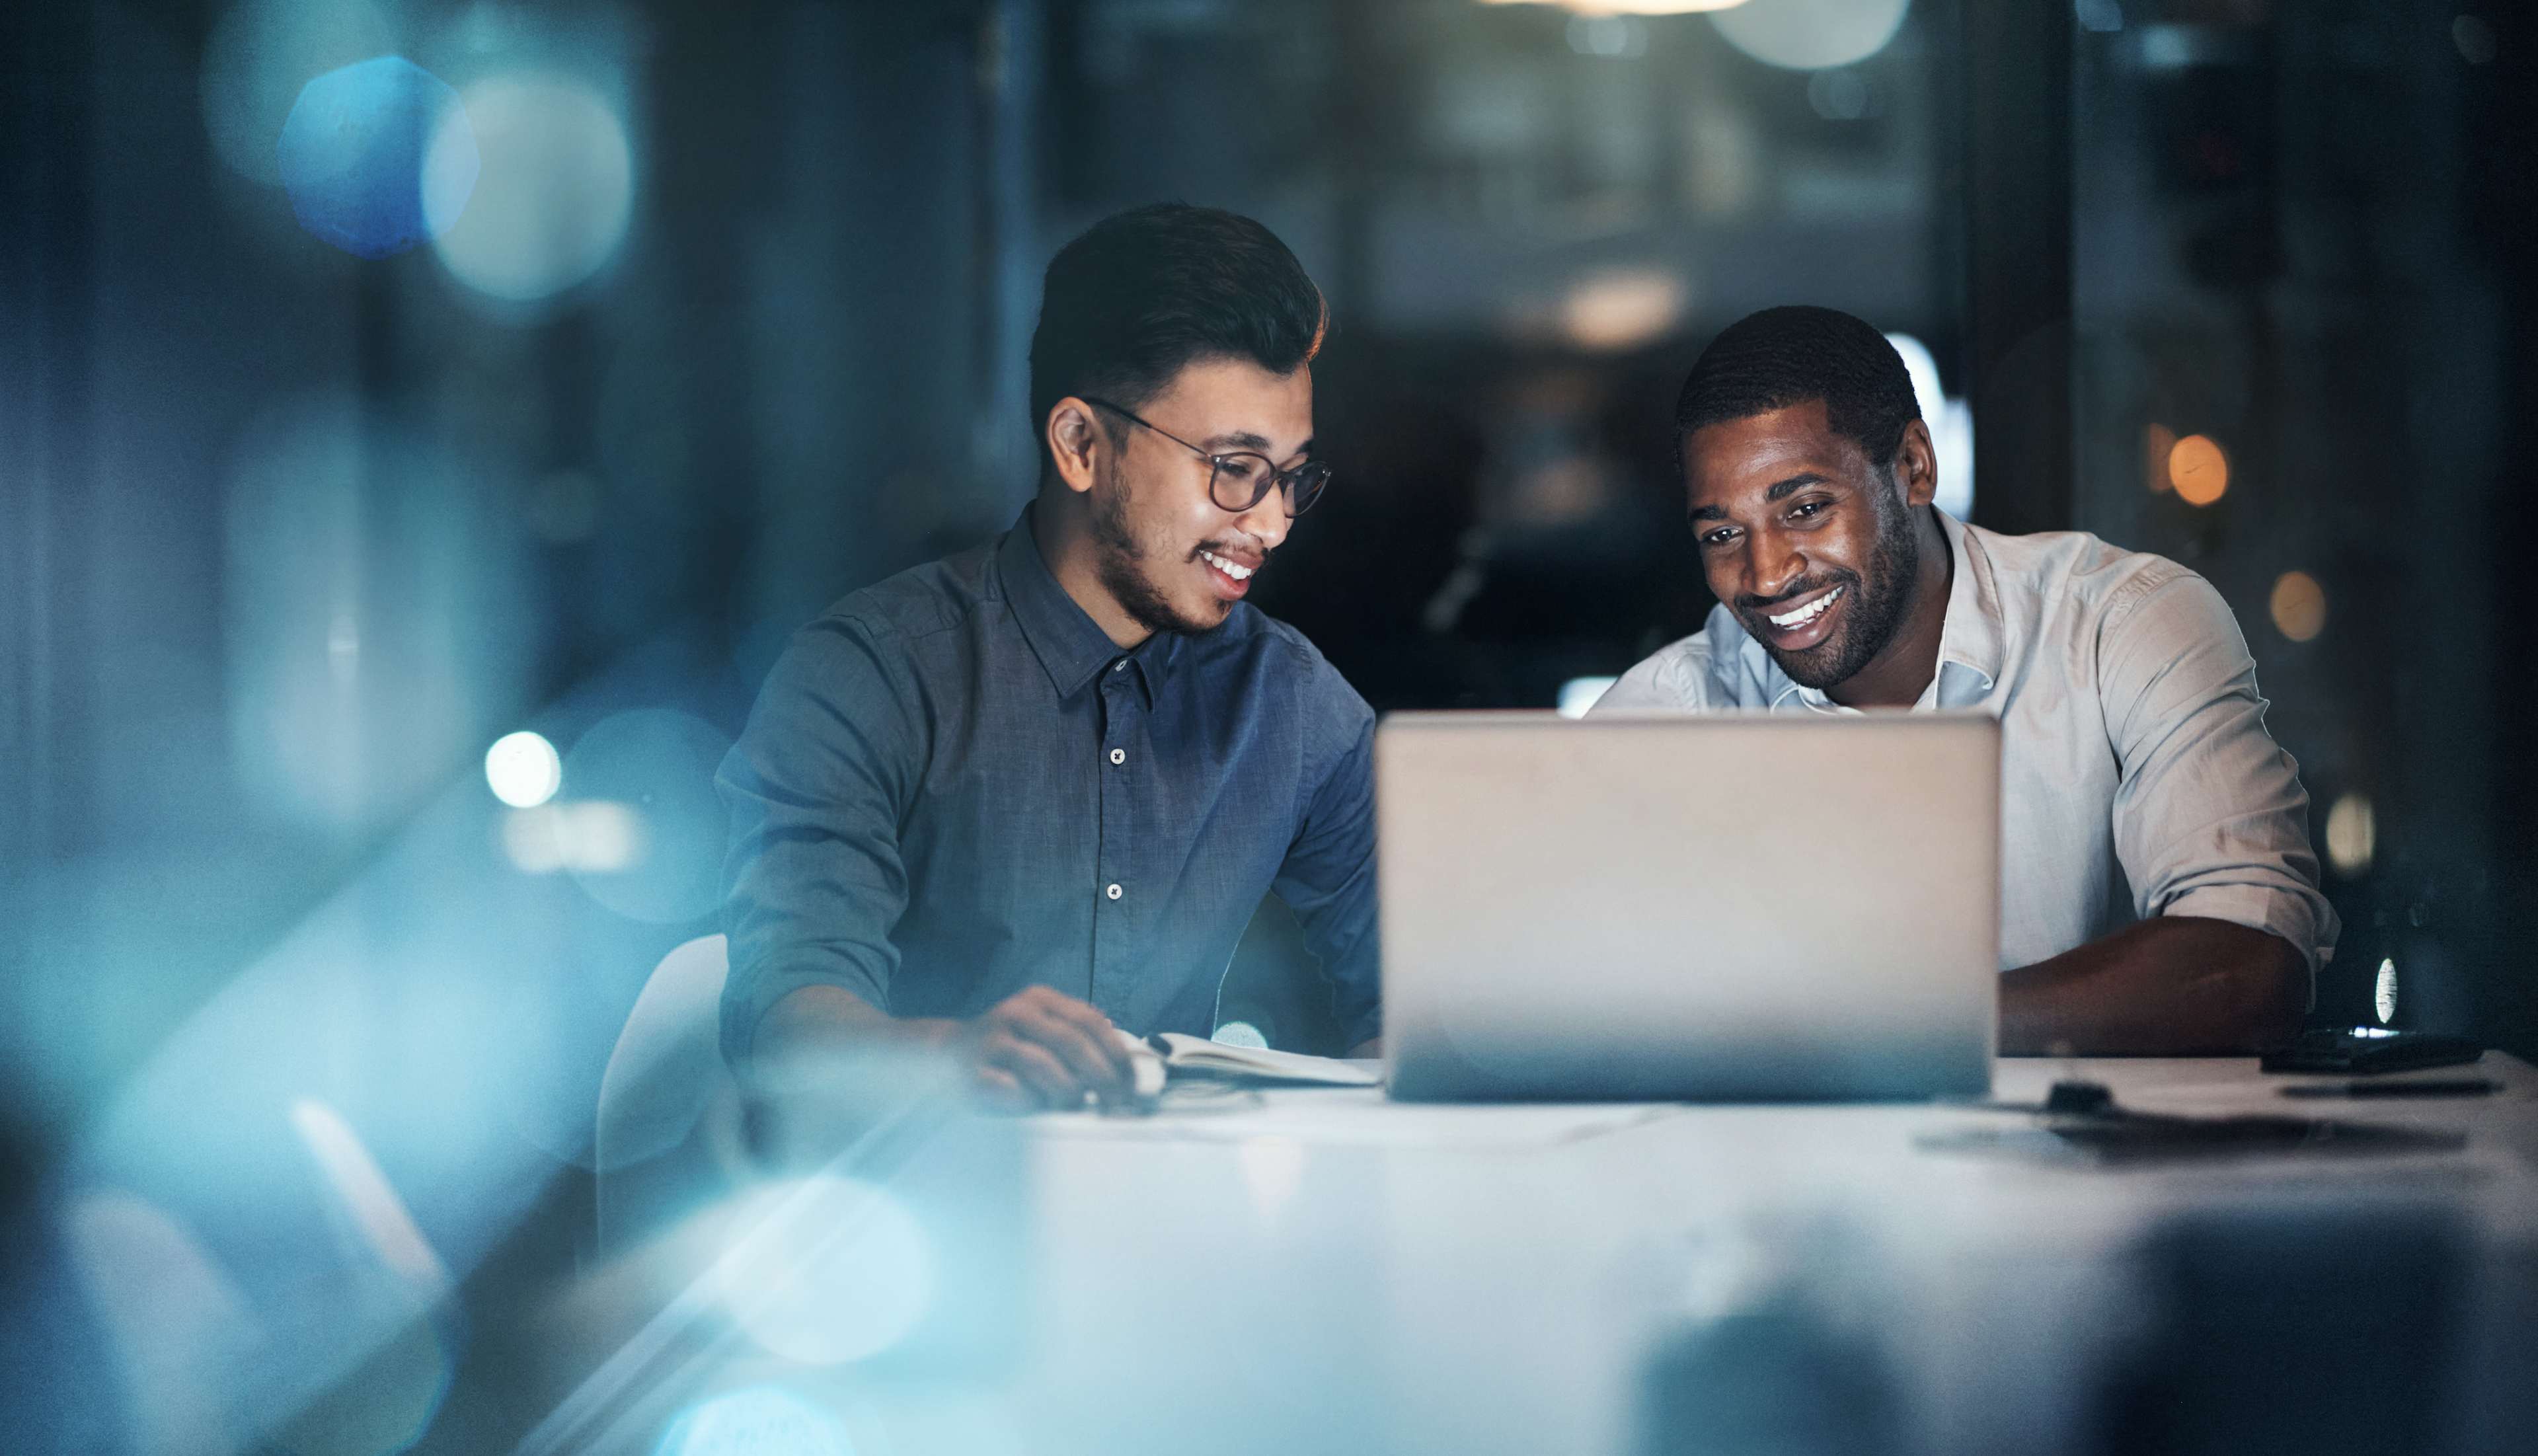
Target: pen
pixel 2439 1086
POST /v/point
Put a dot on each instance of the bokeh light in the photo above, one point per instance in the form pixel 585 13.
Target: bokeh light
pixel 1615 309
pixel 2474 40
pixel 659 764
pixel 524 769
pixel 2351 834
pixel 588 835
pixel 825 1270
pixel 1950 421
pixel 1579 695
pixel 353 157
pixel 256 61
pixel 555 191
pixel 2298 606
pixel 2198 470
pixel 1838 94
pixel 1811 34
pixel 1921 367
pixel 382 1404
pixel 762 1420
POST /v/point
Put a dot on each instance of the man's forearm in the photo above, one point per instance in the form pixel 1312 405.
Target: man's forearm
pixel 826 1066
pixel 2181 985
pixel 1037 1048
pixel 813 1020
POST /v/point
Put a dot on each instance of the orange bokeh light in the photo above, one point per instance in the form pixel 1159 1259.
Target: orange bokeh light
pixel 2198 470
pixel 2298 606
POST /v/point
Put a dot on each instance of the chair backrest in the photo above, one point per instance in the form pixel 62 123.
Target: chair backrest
pixel 666 1087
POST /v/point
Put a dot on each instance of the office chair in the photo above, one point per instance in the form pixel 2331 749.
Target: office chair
pixel 669 1125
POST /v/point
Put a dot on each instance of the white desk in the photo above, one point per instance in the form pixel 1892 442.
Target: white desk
pixel 1328 1272
pixel 1334 1273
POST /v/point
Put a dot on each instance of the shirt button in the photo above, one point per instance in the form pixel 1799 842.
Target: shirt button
pixel 1121 666
pixel 1118 755
pixel 1113 891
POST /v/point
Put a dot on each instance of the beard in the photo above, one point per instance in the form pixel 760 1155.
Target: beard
pixel 1123 569
pixel 1878 604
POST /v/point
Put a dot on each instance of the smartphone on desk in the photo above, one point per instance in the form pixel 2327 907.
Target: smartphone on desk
pixel 2364 1050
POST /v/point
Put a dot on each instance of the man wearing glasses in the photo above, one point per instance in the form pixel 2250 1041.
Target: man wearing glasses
pixel 1005 801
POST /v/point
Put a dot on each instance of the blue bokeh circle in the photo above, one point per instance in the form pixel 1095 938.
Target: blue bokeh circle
pixel 354 157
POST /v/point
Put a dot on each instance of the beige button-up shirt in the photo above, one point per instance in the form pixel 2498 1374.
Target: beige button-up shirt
pixel 2137 778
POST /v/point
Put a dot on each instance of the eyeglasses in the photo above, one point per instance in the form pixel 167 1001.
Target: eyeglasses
pixel 1243 479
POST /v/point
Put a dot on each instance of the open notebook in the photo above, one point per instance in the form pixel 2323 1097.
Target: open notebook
pixel 1174 1054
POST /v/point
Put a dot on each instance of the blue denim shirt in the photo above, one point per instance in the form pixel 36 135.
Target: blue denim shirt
pixel 955 785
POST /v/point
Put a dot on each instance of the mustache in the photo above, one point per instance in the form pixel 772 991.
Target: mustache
pixel 1751 605
pixel 1228 547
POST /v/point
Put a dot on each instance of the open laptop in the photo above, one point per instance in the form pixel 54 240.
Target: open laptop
pixel 1683 907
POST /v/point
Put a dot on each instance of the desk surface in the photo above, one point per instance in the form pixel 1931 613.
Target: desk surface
pixel 1484 1278
pixel 1316 1269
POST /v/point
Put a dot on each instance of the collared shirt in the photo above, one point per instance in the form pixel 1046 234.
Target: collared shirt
pixel 954 786
pixel 2137 779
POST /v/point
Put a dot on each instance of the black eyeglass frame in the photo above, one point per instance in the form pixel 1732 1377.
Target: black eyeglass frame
pixel 1301 485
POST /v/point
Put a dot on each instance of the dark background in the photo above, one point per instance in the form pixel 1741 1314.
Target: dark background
pixel 288 536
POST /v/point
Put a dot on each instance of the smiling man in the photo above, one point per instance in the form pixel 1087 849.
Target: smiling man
pixel 2159 894
pixel 1005 801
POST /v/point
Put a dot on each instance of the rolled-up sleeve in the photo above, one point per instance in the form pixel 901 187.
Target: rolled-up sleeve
pixel 1328 875
pixel 2210 818
pixel 814 791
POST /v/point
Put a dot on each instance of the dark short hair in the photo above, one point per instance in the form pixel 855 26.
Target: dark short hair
pixel 1142 294
pixel 1783 356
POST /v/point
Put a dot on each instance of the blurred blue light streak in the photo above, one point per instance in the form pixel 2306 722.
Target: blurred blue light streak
pixel 883 1255
pixel 360 1115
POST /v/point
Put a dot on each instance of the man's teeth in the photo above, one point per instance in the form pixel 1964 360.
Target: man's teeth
pixel 1808 613
pixel 1238 573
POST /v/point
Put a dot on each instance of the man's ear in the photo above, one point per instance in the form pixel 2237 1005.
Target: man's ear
pixel 1916 465
pixel 1073 440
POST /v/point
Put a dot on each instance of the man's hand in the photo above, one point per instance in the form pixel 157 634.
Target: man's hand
pixel 1042 1048
pixel 2169 986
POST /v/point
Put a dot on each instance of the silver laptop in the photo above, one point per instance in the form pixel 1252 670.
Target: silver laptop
pixel 1670 907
